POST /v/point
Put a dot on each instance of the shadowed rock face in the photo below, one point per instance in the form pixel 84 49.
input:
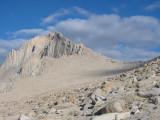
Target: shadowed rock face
pixel 27 60
pixel 59 46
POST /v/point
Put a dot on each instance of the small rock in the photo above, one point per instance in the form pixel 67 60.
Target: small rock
pixel 134 80
pixel 99 101
pixel 31 113
pixel 98 93
pixel 23 117
pixel 156 100
pixel 134 110
pixel 52 111
pixel 87 109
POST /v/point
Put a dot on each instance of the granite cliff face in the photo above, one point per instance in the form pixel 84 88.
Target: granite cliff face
pixel 27 60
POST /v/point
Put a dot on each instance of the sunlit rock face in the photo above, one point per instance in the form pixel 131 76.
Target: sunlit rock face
pixel 27 60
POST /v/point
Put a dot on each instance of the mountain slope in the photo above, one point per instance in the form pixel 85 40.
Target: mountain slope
pixel 48 62
pixel 129 96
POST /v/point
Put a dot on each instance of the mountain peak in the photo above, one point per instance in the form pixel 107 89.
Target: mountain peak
pixel 27 60
pixel 57 35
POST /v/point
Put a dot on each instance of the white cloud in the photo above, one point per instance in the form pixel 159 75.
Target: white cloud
pixel 129 53
pixel 62 12
pixel 139 34
pixel 81 11
pixel 53 17
pixel 124 38
pixel 153 6
pixel 30 32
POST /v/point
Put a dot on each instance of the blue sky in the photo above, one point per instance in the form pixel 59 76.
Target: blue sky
pixel 121 29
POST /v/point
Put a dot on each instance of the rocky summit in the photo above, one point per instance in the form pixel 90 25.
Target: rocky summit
pixel 51 78
pixel 27 60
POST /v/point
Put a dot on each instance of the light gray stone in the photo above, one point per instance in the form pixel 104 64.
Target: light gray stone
pixel 156 100
pixel 111 108
pixel 97 95
pixel 23 117
pixel 113 116
pixel 134 110
pixel 150 93
pixel 52 111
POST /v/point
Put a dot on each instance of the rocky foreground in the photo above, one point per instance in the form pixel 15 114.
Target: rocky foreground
pixel 51 78
pixel 133 95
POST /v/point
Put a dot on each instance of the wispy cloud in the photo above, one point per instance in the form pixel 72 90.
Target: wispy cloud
pixel 53 17
pixel 62 12
pixel 115 9
pixel 81 11
pixel 29 32
pixel 153 6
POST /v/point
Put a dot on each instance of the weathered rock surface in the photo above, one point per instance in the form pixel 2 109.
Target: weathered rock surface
pixel 27 60
pixel 113 107
pixel 150 93
pixel 156 100
pixel 23 117
pixel 5 87
pixel 97 96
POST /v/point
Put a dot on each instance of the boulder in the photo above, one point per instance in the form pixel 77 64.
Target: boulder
pixel 113 116
pixel 62 107
pixel 156 100
pixel 150 93
pixel 23 117
pixel 52 111
pixel 134 110
pixel 87 109
pixel 97 95
pixel 112 108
